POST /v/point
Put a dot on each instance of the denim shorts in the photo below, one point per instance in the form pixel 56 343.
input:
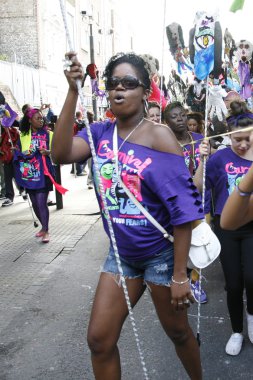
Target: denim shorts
pixel 156 269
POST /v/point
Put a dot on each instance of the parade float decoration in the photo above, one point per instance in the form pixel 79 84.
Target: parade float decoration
pixel 93 73
pixel 243 55
pixel 156 94
pixel 229 47
pixel 205 48
pixel 178 78
pixel 177 46
pixel 230 71
pixel 7 115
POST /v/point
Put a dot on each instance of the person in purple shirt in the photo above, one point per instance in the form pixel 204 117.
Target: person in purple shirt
pixel 224 172
pixel 152 166
pixel 175 116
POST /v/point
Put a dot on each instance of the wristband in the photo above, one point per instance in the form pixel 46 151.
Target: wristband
pixel 179 282
pixel 243 193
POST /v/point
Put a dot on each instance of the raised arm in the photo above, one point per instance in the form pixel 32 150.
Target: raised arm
pixel 65 148
pixel 238 209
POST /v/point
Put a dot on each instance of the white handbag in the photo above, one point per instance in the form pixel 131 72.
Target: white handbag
pixel 205 246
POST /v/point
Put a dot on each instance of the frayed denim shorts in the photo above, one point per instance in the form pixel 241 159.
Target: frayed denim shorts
pixel 156 269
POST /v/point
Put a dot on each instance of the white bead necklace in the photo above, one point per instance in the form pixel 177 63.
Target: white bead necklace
pixel 130 134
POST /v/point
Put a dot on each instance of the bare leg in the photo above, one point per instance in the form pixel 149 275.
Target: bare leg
pixel 107 317
pixel 175 323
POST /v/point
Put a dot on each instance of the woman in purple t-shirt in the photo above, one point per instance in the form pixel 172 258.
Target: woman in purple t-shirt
pixel 238 209
pixel 175 116
pixel 224 172
pixel 145 152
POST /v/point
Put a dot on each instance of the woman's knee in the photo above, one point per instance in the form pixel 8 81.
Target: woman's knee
pixel 100 342
pixel 179 334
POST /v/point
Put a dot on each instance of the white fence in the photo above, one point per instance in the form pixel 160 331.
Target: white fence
pixel 33 86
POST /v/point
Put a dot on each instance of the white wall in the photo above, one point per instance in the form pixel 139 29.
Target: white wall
pixel 29 85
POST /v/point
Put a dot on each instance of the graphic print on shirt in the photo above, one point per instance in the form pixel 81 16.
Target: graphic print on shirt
pixel 31 170
pixel 234 175
pixel 131 169
pixel 38 141
pixel 188 157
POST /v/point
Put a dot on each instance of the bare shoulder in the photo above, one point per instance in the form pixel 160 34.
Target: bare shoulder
pixel 164 140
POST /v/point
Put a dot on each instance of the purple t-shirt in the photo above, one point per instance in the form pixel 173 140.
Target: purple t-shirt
pixel 224 171
pixel 160 182
pixel 191 152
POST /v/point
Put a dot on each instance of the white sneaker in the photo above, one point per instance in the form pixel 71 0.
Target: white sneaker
pixel 234 344
pixel 250 326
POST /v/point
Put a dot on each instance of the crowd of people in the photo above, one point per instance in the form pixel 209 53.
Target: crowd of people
pixel 26 164
pixel 158 152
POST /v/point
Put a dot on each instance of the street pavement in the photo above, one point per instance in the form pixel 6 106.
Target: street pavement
pixel 46 293
pixel 25 262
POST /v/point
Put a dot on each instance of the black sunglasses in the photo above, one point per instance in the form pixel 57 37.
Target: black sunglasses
pixel 128 82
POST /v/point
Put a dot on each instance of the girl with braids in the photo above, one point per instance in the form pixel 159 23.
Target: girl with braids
pixel 34 144
pixel 225 170
pixel 146 151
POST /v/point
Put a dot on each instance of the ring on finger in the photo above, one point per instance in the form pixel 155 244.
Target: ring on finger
pixel 186 302
pixel 180 303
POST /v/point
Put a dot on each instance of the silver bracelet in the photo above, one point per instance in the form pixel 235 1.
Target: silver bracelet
pixel 179 282
pixel 243 193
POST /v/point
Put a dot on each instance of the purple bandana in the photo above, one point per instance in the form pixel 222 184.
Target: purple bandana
pixel 235 119
pixel 31 112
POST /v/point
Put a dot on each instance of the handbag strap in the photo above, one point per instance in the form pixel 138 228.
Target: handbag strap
pixel 131 196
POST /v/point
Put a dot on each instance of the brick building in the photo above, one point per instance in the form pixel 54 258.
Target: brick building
pixel 32 38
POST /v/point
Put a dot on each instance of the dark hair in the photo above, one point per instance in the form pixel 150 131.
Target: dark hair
pixel 24 124
pixel 170 107
pixel 90 117
pixel 78 113
pixel 24 108
pixel 2 98
pixel 134 60
pixel 53 119
pixel 154 104
pixel 240 115
pixel 219 126
pixel 196 116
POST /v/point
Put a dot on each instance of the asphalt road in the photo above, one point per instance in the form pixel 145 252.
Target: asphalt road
pixel 46 338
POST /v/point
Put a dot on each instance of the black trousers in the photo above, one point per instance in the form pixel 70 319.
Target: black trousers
pixel 237 264
pixel 8 178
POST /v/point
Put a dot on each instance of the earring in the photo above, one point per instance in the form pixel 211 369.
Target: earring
pixel 145 103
